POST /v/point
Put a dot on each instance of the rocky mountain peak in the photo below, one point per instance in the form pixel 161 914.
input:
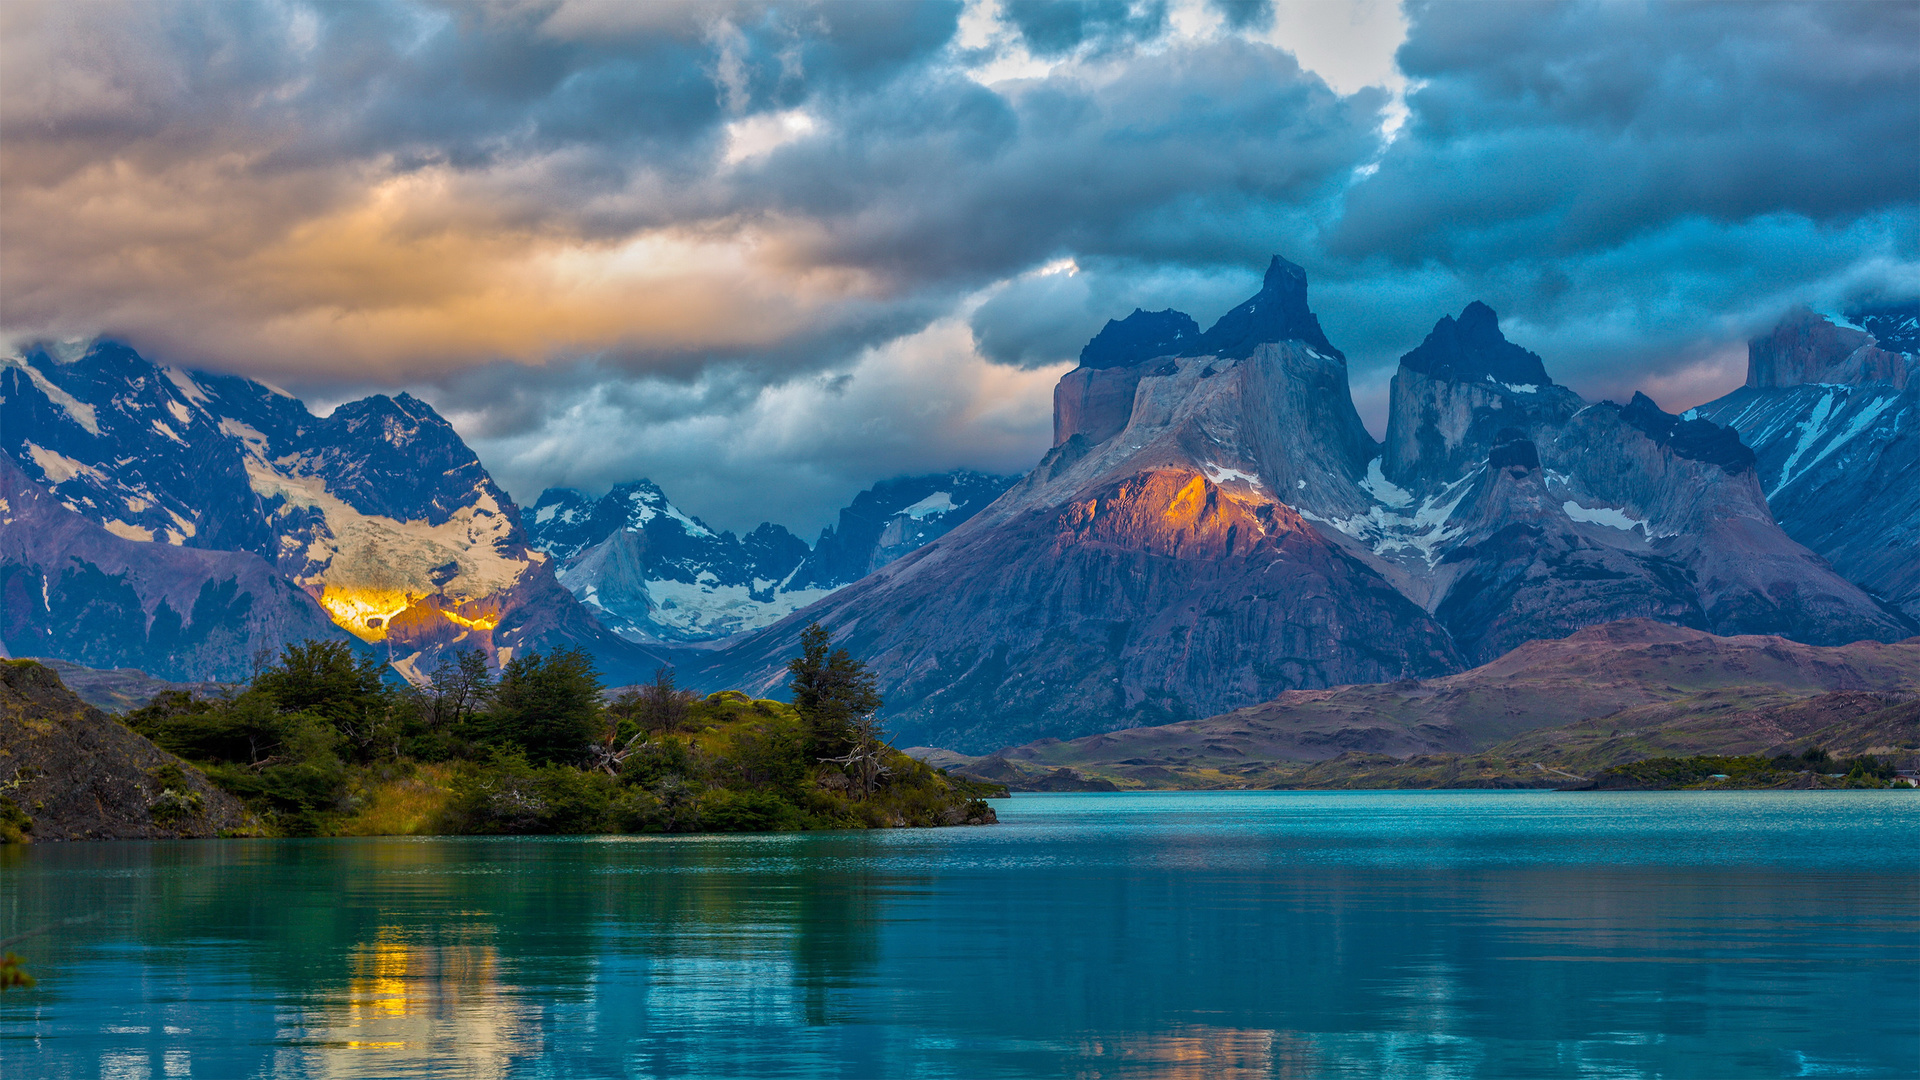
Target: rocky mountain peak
pixel 1140 336
pixel 1278 312
pixel 1456 394
pixel 1472 349
pixel 1808 347
pixel 1894 325
pixel 1697 440
pixel 396 457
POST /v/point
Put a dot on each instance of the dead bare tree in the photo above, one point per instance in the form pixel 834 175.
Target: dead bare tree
pixel 865 761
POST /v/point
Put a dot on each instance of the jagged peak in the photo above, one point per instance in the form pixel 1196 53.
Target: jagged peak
pixel 1143 335
pixel 1472 349
pixel 1699 440
pixel 562 494
pixel 1894 324
pixel 1278 312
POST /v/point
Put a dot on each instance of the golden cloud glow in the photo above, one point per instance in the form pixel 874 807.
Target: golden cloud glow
pixel 386 273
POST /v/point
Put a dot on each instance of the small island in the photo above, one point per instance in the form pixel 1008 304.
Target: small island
pixel 321 743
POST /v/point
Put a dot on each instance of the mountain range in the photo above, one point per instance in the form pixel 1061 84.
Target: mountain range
pixel 1215 527
pixel 188 524
pixel 655 574
pixel 1212 528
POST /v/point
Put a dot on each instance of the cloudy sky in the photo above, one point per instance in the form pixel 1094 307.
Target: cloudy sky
pixel 767 254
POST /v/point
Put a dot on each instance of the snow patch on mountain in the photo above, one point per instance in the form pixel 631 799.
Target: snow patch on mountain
pixel 1391 530
pixel 81 412
pixel 59 468
pixel 1816 426
pixel 708 609
pixel 1610 516
pixel 650 504
pixel 1220 474
pixel 940 502
pixel 365 569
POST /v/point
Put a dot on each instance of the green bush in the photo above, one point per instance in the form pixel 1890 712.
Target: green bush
pixel 14 823
pixel 509 795
pixel 321 724
pixel 727 810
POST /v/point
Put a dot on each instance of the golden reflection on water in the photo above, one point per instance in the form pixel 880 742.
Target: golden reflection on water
pixel 426 1007
pixel 1198 1052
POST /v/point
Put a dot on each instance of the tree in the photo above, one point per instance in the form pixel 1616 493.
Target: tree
pixel 548 706
pixel 325 680
pixel 663 706
pixel 637 715
pixel 836 699
pixel 459 689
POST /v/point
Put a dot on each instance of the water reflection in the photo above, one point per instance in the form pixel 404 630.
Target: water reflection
pixel 415 1007
pixel 1225 936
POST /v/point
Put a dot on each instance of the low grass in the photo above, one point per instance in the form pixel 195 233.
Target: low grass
pixel 411 802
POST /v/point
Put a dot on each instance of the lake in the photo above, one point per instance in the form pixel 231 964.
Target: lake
pixel 1244 934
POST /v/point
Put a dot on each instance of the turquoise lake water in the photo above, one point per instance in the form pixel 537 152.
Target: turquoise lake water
pixel 1247 934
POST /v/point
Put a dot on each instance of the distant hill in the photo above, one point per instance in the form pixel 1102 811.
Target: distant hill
pixel 117 690
pixel 1599 697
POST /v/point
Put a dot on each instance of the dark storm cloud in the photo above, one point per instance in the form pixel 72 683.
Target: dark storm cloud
pixel 1056 29
pixel 1196 154
pixel 770 252
pixel 1553 130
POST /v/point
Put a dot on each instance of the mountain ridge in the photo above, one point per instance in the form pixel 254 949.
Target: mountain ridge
pixel 1496 512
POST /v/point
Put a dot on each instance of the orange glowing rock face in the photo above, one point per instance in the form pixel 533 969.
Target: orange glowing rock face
pixel 364 613
pixel 405 620
pixel 1178 512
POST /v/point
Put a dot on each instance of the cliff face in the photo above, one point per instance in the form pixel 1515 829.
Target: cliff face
pixel 1809 348
pixel 1515 510
pixel 1832 414
pixel 1158 573
pixel 81 775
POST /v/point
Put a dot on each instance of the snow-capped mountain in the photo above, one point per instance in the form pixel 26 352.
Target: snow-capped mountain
pixel 378 512
pixel 653 573
pixel 1831 409
pixel 1215 526
pixel 893 518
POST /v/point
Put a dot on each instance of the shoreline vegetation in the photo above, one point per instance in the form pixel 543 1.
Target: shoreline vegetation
pixel 321 744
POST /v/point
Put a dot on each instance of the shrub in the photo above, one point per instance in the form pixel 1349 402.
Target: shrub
pixel 510 795
pixel 727 810
pixel 14 823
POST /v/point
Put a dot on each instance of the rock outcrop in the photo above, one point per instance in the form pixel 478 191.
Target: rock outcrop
pixel 1832 414
pixel 81 775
